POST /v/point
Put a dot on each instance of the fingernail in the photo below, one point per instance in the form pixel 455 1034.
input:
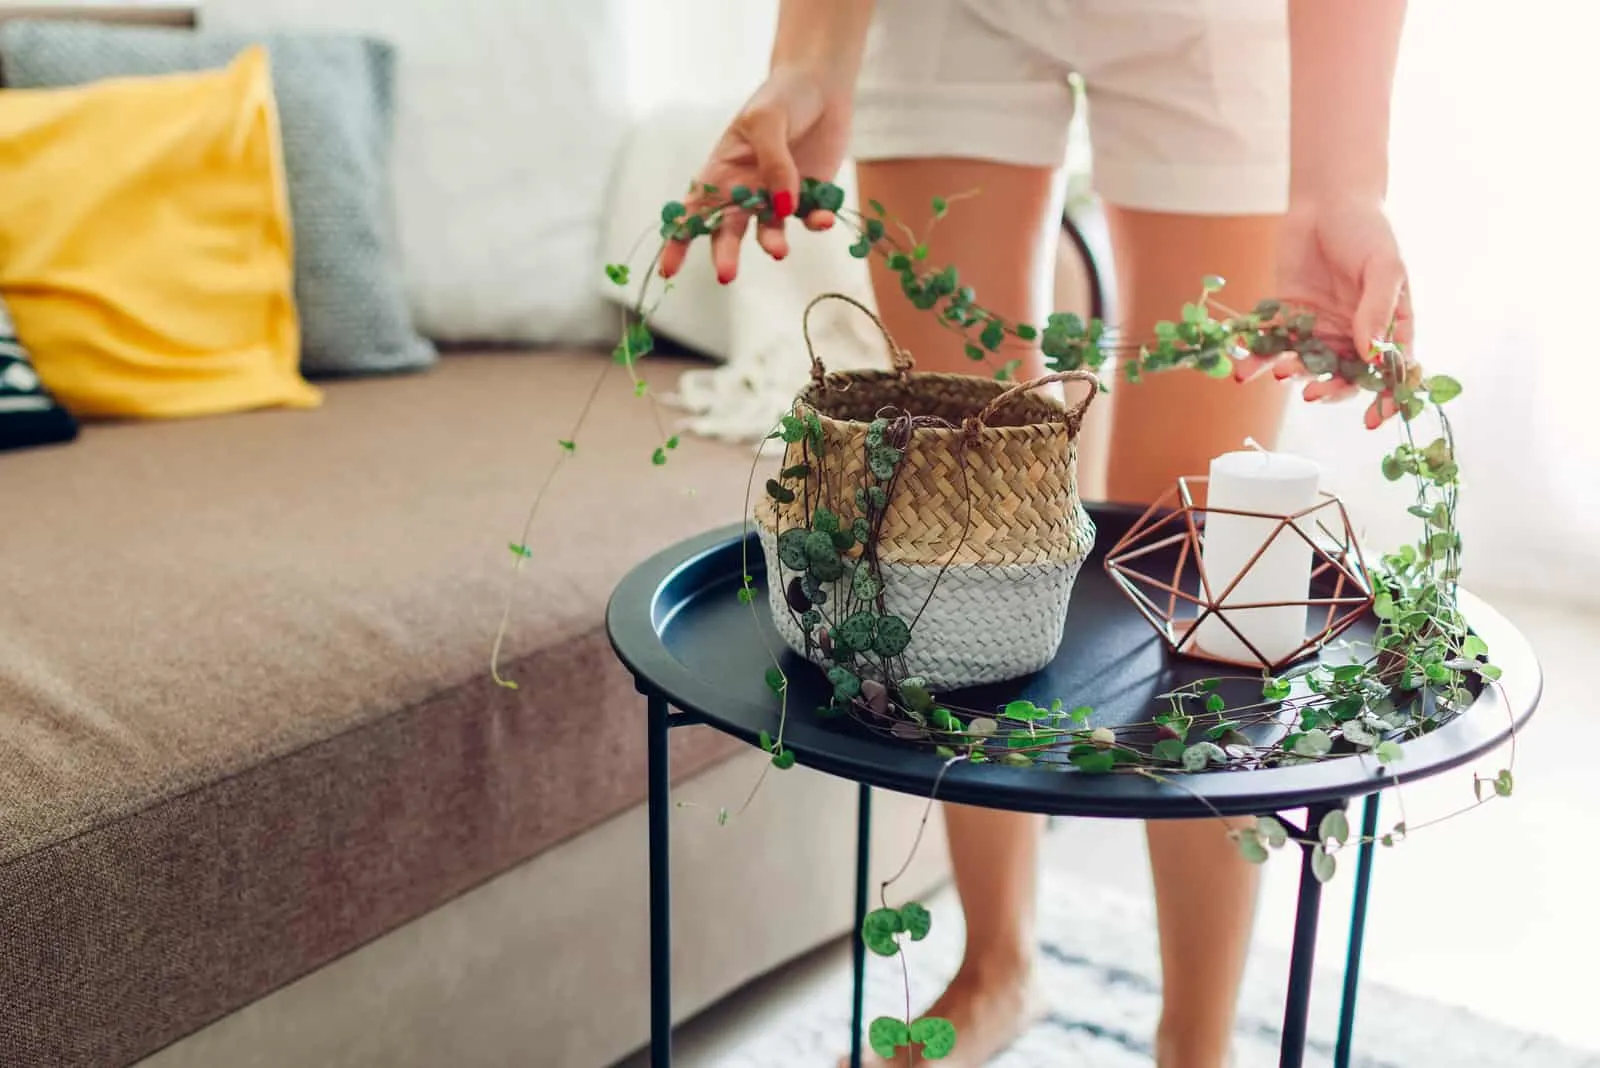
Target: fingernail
pixel 1280 373
pixel 1238 374
pixel 723 278
pixel 783 203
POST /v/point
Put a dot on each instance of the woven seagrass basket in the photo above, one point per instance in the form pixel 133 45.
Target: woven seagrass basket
pixel 980 534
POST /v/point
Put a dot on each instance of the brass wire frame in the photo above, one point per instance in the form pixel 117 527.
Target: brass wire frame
pixel 1338 562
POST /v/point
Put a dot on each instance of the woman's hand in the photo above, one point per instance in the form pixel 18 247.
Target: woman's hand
pixel 797 123
pixel 1339 260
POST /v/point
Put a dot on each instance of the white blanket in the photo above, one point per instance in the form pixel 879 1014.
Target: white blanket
pixel 753 325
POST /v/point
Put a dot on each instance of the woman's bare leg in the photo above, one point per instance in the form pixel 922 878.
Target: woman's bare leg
pixel 1004 245
pixel 1172 424
pixel 1166 426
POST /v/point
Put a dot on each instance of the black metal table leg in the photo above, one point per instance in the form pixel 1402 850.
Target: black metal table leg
pixel 1297 1005
pixel 858 946
pixel 1342 1049
pixel 660 808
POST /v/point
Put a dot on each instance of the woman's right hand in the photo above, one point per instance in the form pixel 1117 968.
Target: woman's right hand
pixel 797 123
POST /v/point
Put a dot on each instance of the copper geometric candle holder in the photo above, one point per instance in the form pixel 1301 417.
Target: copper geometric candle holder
pixel 1158 565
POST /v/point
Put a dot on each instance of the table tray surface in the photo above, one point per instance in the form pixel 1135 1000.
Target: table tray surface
pixel 678 625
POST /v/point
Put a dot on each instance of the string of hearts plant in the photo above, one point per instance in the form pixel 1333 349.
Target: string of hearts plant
pixel 1422 667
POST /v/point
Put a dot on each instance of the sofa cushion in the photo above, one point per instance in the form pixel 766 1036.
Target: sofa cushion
pixel 152 277
pixel 246 718
pixel 335 96
pixel 509 115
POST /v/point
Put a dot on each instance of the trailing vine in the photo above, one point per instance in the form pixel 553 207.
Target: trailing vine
pixel 1421 668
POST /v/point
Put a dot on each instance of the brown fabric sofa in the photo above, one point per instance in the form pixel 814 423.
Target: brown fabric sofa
pixel 260 800
pixel 247 723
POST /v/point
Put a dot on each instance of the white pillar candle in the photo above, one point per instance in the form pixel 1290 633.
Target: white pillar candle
pixel 1277 485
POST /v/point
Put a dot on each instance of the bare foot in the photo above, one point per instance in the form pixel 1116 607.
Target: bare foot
pixel 990 1010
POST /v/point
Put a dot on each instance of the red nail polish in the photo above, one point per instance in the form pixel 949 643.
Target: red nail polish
pixel 724 278
pixel 783 203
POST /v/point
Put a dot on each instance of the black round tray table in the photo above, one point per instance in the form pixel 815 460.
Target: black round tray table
pixel 698 655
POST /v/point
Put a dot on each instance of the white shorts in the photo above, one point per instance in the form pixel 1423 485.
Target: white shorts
pixel 1188 100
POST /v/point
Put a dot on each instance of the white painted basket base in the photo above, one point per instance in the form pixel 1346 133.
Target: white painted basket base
pixel 985 624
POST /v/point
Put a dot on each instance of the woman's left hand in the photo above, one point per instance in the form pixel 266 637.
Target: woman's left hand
pixel 1340 261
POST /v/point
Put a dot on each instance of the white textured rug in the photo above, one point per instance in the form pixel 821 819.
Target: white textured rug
pixel 1101 973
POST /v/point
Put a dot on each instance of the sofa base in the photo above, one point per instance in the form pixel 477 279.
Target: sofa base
pixel 498 977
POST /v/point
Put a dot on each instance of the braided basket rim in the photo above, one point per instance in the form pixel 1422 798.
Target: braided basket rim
pixel 1044 414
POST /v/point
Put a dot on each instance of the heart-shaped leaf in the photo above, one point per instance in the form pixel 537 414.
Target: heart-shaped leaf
pixel 1169 749
pixel 1358 733
pixel 1251 847
pixel 892 637
pixel 1313 743
pixel 1092 760
pixel 865 584
pixel 1323 865
pixel 886 1034
pixel 916 919
pixel 914 692
pixel 1273 832
pixel 1026 711
pixel 935 1034
pixel 882 460
pixel 878 931
pixel 1197 756
pixel 855 633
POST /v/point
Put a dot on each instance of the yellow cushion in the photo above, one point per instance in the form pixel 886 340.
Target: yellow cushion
pixel 145 243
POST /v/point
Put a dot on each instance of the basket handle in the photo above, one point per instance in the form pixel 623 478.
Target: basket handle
pixel 899 357
pixel 1073 416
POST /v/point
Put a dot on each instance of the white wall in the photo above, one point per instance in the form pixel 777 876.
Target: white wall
pixel 696 52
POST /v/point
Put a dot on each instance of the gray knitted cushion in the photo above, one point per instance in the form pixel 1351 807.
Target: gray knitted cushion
pixel 335 111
